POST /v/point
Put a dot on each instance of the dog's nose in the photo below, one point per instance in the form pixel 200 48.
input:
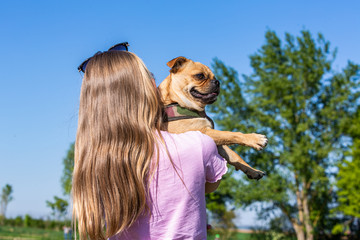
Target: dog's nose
pixel 216 82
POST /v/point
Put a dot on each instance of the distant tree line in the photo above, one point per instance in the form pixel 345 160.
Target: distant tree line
pixel 28 221
pixel 59 208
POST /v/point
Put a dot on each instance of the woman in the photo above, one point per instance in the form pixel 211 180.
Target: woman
pixel 131 180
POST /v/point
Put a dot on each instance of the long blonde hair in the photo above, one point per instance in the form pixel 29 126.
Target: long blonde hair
pixel 120 112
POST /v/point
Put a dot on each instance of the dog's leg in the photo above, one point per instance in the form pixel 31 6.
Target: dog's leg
pixel 254 140
pixel 233 159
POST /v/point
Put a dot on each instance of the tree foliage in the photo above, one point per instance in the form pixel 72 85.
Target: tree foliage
pixel 348 181
pixel 298 102
pixel 68 162
pixel 6 197
pixel 58 207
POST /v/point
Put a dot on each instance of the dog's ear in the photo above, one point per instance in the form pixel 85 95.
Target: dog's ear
pixel 176 63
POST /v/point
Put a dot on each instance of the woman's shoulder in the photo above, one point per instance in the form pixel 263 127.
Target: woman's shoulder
pixel 190 137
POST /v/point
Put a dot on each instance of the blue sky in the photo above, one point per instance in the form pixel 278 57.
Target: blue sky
pixel 43 42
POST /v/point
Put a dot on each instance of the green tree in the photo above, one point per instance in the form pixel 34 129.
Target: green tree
pixel 68 162
pixel 294 98
pixel 58 207
pixel 6 197
pixel 348 181
pixel 27 220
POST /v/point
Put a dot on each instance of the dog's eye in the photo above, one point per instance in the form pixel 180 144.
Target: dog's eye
pixel 200 76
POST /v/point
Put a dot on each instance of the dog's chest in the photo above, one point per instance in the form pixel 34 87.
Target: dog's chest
pixel 185 125
pixel 181 119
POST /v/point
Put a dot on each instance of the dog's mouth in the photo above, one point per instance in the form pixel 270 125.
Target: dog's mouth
pixel 207 98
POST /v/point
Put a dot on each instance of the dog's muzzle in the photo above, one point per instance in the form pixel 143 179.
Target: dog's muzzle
pixel 209 97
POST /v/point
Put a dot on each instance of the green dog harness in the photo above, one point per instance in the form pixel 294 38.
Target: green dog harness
pixel 175 112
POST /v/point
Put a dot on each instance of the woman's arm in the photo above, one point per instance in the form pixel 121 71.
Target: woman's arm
pixel 210 187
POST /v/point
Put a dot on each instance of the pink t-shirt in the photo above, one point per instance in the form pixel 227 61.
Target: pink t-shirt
pixel 178 208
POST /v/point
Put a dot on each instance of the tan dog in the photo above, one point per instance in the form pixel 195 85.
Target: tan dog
pixel 185 93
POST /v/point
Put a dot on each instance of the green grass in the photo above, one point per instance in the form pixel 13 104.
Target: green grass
pixel 46 234
pixel 234 236
pixel 22 233
pixel 247 236
pixel 30 233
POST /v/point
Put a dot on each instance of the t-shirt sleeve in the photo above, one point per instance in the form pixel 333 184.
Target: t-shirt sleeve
pixel 214 164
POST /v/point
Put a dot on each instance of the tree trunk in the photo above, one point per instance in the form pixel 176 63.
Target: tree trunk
pixel 307 221
pixel 2 208
pixel 300 206
pixel 299 227
pixel 299 230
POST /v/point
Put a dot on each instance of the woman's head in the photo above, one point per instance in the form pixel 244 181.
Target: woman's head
pixel 118 85
pixel 120 109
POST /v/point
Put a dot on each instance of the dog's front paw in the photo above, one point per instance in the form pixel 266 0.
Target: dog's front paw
pixel 256 141
pixel 250 172
pixel 255 174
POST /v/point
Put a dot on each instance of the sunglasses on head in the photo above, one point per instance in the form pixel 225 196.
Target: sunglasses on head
pixel 117 47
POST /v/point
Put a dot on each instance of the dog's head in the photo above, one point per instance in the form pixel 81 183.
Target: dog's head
pixel 191 84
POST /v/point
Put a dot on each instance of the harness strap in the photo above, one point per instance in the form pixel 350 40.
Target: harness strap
pixel 175 112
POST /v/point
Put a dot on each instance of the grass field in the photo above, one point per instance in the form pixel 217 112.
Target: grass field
pixel 22 233
pixel 236 236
